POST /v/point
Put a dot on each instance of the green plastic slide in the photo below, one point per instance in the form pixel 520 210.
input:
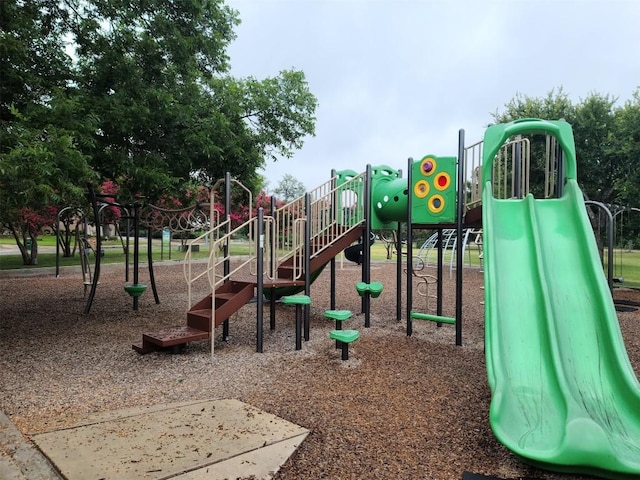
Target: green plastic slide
pixel 564 395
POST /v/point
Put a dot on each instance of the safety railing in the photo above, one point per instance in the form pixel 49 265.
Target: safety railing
pixel 221 265
pixel 473 165
pixel 511 168
pixel 334 209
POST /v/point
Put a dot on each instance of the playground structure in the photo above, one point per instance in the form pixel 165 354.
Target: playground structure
pixel 563 390
pixel 295 242
pixel 99 205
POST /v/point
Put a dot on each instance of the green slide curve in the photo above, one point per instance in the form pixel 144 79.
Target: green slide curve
pixel 564 394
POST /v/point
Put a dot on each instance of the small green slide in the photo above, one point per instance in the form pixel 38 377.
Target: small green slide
pixel 564 394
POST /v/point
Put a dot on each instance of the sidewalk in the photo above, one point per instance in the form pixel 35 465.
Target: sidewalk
pixel 212 440
pixel 19 459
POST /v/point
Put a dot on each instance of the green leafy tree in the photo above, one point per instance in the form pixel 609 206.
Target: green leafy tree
pixel 41 159
pixel 554 106
pixel 595 131
pixel 626 147
pixel 145 100
pixel 289 188
pixel 607 146
pixel 169 110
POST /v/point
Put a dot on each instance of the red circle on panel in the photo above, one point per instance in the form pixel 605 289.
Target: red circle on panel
pixel 442 181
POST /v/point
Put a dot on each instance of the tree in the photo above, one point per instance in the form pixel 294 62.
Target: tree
pixel 41 162
pixel 626 147
pixel 595 131
pixel 554 106
pixel 607 141
pixel 290 188
pixel 145 100
pixel 169 110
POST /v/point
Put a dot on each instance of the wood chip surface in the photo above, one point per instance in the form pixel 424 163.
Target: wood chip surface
pixel 400 408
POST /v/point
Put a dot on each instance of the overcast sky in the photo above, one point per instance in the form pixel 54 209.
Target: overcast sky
pixel 398 78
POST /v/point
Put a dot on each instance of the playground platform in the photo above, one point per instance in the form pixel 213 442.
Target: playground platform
pixel 213 440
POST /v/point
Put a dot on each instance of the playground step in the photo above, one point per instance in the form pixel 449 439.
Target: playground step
pixel 285 271
pixel 229 298
pixel 170 337
pixel 174 336
pixel 338 315
pixel 374 288
pixel 345 337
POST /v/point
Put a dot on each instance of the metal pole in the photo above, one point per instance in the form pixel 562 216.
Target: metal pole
pixel 399 265
pixel 136 249
pixel 226 264
pixel 57 229
pixel 610 218
pixel 332 266
pixel 152 277
pixel 127 247
pixel 560 177
pixel 307 261
pixel 439 274
pixel 366 247
pixel 409 248
pixel 96 270
pixel 517 171
pixel 260 286
pixel 459 244
pixel 399 273
pixel 273 254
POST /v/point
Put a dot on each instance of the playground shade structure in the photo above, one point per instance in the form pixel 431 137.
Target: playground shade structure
pixel 564 394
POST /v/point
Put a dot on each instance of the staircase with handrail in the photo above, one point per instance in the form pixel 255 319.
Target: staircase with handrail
pixel 327 219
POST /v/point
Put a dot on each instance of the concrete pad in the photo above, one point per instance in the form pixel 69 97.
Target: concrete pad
pixel 19 459
pixel 262 463
pixel 210 439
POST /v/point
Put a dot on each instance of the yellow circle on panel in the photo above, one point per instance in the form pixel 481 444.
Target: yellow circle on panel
pixel 421 189
pixel 428 166
pixel 436 203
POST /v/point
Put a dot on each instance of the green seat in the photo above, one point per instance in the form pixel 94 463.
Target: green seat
pixel 345 337
pixel 338 315
pixel 297 300
pixel 374 288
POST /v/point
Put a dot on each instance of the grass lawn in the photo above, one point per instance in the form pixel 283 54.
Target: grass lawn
pixel 626 262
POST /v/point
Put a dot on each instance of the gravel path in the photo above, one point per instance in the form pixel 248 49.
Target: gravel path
pixel 401 407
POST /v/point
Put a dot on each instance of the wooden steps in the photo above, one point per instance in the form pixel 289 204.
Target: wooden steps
pixel 232 295
pixel 173 337
pixel 229 298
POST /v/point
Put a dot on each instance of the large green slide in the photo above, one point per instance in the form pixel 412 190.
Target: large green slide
pixel 564 394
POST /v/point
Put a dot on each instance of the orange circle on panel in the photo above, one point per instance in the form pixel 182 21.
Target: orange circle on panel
pixel 436 203
pixel 421 189
pixel 428 166
pixel 442 181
